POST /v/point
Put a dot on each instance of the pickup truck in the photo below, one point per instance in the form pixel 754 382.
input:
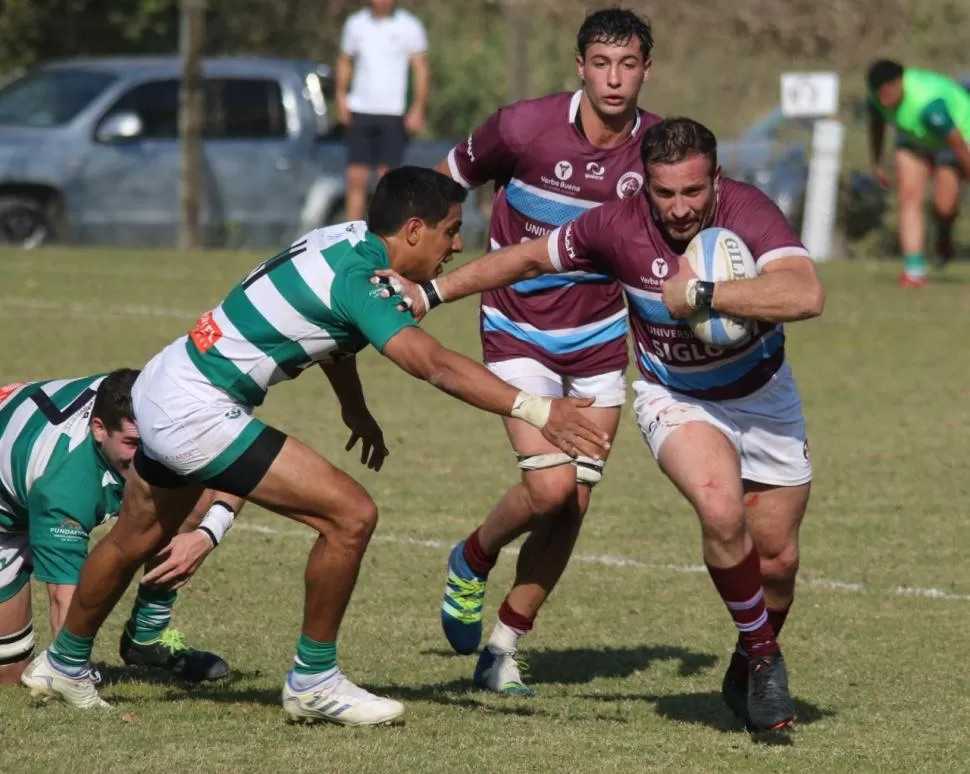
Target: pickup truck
pixel 89 153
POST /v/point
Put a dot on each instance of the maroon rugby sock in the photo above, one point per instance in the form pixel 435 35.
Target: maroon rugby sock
pixel 743 593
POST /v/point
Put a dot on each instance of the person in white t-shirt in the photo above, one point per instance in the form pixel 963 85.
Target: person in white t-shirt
pixel 378 46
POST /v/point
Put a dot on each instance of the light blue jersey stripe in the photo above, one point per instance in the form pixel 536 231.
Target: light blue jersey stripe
pixel 707 377
pixel 560 343
pixel 553 281
pixel 534 206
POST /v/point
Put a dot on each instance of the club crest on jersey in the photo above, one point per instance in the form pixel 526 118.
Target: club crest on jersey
pixel 629 185
pixel 564 170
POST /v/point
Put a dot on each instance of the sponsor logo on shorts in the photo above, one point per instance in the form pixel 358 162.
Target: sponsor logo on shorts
pixel 234 413
pixel 206 333
pixel 629 185
pixel 806 451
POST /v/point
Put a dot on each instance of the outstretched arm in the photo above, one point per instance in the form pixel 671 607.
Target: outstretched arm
pixel 496 269
pixel 559 420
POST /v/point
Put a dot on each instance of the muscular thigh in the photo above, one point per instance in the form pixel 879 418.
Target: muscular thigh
pixel 302 485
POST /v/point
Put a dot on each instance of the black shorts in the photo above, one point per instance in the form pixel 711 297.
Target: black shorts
pixel 240 478
pixel 374 140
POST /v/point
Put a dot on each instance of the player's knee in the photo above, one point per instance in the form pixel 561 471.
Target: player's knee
pixel 356 523
pixel 721 515
pixel 551 490
pixel 780 566
pixel 911 195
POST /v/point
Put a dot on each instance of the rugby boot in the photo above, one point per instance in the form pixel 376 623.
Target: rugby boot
pixel 501 673
pixel 770 706
pixel 169 652
pixel 461 607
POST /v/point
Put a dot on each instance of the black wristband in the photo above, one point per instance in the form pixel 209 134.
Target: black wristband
pixel 431 291
pixel 215 543
pixel 225 505
pixel 704 295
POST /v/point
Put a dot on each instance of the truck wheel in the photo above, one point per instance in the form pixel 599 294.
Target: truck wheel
pixel 24 222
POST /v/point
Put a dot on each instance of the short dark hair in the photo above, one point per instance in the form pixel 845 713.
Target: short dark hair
pixel 412 192
pixel 673 139
pixel 881 72
pixel 112 404
pixel 614 27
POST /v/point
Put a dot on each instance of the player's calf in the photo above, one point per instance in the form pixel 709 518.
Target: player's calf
pixel 16 628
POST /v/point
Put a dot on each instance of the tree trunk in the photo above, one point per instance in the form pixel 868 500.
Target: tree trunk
pixel 191 49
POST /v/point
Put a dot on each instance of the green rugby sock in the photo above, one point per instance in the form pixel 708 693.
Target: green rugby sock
pixel 69 652
pixel 914 265
pixel 314 658
pixel 151 614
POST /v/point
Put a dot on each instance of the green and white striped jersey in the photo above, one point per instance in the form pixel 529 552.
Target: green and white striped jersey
pixel 54 481
pixel 312 303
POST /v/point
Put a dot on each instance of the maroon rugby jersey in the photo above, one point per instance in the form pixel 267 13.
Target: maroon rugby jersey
pixel 547 174
pixel 623 240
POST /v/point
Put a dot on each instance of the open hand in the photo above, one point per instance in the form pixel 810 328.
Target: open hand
pixel 574 432
pixel 174 564
pixel 364 428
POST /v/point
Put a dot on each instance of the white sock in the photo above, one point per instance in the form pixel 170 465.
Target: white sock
pixel 504 639
pixel 301 682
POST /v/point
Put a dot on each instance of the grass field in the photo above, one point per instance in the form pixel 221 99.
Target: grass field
pixel 629 653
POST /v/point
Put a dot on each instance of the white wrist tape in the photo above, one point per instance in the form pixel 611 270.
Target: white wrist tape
pixel 218 519
pixel 691 292
pixel 424 298
pixel 533 409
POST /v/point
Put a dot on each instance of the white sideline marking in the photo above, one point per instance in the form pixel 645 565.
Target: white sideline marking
pixel 605 560
pixel 97 312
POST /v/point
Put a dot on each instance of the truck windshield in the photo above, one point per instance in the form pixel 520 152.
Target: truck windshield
pixel 48 98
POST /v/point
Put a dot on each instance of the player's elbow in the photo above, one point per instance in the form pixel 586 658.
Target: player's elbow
pixel 813 302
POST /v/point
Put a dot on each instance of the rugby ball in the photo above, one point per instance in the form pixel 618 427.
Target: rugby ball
pixel 719 255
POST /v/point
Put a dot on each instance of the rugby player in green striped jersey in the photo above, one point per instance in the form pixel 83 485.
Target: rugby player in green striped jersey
pixel 312 304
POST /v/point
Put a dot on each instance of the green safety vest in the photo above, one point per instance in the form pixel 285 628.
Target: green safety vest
pixel 920 88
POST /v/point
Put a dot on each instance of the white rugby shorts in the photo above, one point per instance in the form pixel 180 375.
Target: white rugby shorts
pixel 767 428
pixel 523 373
pixel 188 425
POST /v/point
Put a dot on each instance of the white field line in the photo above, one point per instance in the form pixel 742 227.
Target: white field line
pixel 92 311
pixel 606 560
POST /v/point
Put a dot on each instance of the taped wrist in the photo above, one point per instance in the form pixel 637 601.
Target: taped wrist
pixel 533 409
pixel 432 295
pixel 217 521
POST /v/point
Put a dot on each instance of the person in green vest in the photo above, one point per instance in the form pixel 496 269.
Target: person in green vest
pixel 931 114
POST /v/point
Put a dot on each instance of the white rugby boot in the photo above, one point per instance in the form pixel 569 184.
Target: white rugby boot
pixel 47 682
pixel 502 673
pixel 337 700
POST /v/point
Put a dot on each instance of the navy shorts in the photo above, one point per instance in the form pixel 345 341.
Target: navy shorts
pixel 376 140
